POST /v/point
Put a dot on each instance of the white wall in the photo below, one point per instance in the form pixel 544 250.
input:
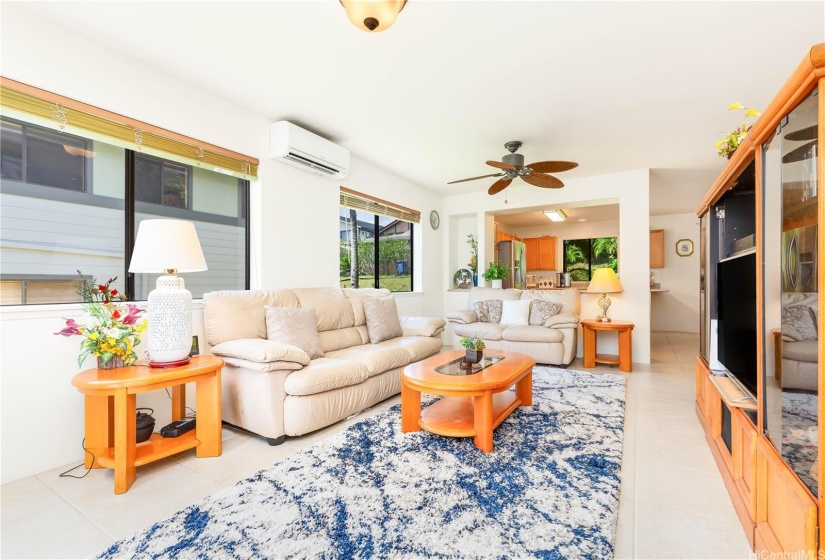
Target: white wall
pixel 631 190
pixel 294 226
pixel 678 309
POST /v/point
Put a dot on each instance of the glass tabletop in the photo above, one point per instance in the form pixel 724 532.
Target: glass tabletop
pixel 460 366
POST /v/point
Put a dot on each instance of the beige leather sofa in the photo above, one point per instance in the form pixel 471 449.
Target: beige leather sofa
pixel 554 343
pixel 274 390
pixel 800 356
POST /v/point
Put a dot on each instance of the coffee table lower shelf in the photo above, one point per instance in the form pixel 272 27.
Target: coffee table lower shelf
pixel 455 416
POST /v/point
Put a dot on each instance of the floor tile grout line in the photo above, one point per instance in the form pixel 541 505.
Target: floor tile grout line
pixel 669 506
pixel 78 510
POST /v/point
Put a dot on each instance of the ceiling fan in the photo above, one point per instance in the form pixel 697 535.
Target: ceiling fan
pixel 513 166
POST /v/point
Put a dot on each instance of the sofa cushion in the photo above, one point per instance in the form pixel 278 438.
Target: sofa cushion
pixel 532 334
pixel 258 350
pixel 382 319
pixel 235 314
pixel 541 310
pixel 295 327
pixel 356 297
pixel 418 347
pixel 488 311
pixel 462 317
pixel 570 299
pixel 515 312
pixel 325 374
pixel 805 351
pixel 376 358
pixel 798 321
pixel 332 308
pixel 337 339
pixel 484 294
pixel 422 326
pixel 485 331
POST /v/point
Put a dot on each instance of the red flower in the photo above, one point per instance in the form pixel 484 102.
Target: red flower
pixel 116 315
pixel 101 287
pixel 113 293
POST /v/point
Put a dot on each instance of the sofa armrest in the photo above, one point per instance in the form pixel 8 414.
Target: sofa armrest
pixel 261 351
pixel 563 320
pixel 422 326
pixel 263 367
pixel 464 317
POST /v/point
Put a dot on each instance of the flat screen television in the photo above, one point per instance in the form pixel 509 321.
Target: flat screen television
pixel 736 318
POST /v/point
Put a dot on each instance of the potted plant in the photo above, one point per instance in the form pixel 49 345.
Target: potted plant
pixel 727 145
pixel 496 272
pixel 474 348
pixel 472 240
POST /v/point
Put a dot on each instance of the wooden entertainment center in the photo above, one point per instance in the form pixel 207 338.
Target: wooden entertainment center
pixel 764 421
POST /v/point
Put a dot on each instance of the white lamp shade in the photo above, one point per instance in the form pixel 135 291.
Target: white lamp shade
pixel 604 282
pixel 162 245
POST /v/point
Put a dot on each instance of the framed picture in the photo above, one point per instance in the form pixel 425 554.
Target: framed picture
pixel 684 247
pixel 195 346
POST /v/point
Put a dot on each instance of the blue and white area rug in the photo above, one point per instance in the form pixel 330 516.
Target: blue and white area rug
pixel 549 489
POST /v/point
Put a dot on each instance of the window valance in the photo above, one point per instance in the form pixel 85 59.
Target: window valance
pixel 367 203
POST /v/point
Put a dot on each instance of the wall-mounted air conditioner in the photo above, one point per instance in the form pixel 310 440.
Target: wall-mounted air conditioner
pixel 292 145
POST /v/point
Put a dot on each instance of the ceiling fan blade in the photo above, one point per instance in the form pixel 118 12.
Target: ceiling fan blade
pixel 474 178
pixel 552 166
pixel 543 181
pixel 798 154
pixel 501 165
pixel 499 186
pixel 803 134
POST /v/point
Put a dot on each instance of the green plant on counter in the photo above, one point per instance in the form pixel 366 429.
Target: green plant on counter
pixel 471 343
pixel 496 271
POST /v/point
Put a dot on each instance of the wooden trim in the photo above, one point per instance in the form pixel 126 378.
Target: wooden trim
pixel 345 190
pixel 801 82
pixel 92 112
pixel 819 58
pixel 759 235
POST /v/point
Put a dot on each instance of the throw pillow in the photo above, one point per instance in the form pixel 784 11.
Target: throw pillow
pixel 515 312
pixel 295 326
pixel 488 311
pixel 797 322
pixel 382 319
pixel 541 310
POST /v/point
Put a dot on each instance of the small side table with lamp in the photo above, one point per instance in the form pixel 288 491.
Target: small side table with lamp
pixel 606 282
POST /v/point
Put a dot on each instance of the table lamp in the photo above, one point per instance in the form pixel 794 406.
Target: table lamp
pixel 604 282
pixel 168 247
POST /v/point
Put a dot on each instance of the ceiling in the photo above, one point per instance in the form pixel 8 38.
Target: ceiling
pixel 614 86
pixel 535 217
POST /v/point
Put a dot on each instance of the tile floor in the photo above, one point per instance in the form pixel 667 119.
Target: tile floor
pixel 673 502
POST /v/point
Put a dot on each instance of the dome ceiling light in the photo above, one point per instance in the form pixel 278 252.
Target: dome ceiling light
pixel 373 15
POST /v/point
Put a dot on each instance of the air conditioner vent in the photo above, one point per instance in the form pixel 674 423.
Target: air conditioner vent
pixel 292 145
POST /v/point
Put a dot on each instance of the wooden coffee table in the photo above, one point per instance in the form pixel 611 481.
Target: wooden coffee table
pixel 471 404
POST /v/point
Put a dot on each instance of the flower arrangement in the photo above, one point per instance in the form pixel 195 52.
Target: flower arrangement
pixel 111 329
pixel 472 240
pixel 727 145
pixel 497 271
pixel 471 343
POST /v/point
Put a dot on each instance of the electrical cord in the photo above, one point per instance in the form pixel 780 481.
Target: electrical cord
pixel 191 410
pixel 66 474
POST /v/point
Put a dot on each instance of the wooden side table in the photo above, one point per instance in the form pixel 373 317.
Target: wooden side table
pixel 110 414
pixel 625 358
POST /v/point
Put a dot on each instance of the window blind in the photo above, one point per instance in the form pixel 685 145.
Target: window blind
pixel 64 113
pixel 367 203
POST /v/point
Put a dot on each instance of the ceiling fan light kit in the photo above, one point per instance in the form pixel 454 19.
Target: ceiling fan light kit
pixel 512 166
pixel 373 15
pixel 556 215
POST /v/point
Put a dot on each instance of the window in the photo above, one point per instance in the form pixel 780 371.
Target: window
pixel 583 256
pixel 358 232
pixel 63 208
pixel 158 181
pixel 40 156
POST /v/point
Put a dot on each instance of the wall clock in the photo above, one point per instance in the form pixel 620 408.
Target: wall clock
pixel 684 247
pixel 435 220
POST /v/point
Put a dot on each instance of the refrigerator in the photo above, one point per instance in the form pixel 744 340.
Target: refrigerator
pixel 799 272
pixel 513 254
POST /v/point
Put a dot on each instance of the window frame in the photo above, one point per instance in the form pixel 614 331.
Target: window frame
pixel 163 163
pixel 590 241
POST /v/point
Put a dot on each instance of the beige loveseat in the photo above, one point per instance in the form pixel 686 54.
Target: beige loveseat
pixel 275 390
pixel 552 343
pixel 800 356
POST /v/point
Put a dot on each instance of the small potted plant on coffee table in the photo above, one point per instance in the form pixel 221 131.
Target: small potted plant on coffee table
pixel 496 272
pixel 474 349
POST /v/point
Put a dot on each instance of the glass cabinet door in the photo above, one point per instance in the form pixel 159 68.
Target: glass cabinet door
pixel 790 278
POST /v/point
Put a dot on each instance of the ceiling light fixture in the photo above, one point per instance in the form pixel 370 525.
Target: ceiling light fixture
pixel 555 215
pixel 373 15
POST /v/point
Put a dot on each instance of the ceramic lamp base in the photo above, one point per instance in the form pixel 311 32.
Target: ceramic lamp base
pixel 170 320
pixel 170 364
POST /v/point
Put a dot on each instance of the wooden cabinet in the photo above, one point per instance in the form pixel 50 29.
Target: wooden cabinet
pixel 657 248
pixel 541 253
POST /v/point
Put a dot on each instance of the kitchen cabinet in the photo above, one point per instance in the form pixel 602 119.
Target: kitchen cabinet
pixel 657 248
pixel 541 253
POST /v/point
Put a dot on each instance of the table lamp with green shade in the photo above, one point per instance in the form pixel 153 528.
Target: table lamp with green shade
pixel 604 282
